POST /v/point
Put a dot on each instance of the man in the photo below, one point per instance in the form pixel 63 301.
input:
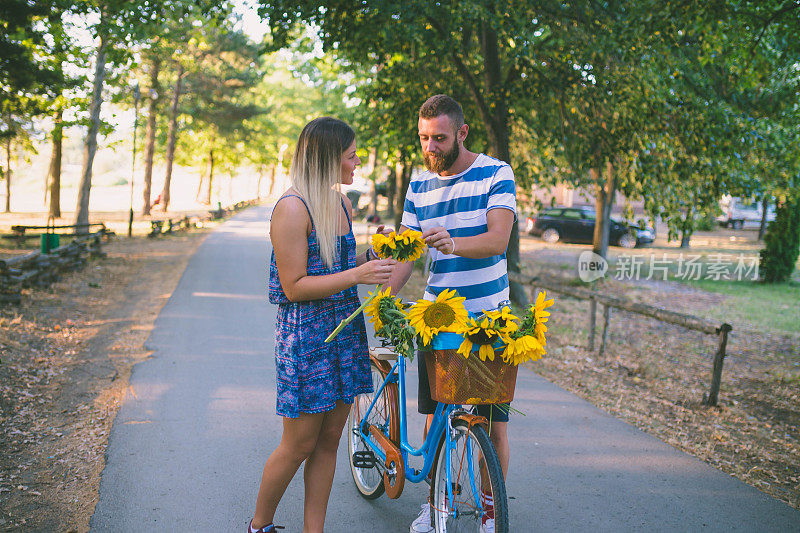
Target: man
pixel 465 206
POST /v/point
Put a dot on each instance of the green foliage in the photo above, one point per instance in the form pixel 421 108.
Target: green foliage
pixel 782 242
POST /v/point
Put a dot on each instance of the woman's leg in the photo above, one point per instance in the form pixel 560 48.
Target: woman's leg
pixel 298 441
pixel 320 467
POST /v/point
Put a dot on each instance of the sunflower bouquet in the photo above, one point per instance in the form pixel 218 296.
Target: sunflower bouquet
pixel 402 247
pixel 478 376
pixel 527 342
pixel 390 320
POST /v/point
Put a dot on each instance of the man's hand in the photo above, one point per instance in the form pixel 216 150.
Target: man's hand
pixel 440 239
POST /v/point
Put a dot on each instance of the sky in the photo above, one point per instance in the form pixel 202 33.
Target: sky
pixel 252 24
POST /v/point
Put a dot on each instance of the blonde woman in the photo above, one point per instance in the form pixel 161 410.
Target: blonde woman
pixel 313 276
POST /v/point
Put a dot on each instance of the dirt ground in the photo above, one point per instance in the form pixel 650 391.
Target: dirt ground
pixel 67 353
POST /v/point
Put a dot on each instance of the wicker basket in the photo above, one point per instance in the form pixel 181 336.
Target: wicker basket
pixel 456 380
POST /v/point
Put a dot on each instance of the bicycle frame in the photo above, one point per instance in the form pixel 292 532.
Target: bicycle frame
pixel 441 422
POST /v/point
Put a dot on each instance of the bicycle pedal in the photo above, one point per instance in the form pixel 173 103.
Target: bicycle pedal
pixel 365 459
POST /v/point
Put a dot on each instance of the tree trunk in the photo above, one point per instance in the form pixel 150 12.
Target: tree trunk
pixel 8 174
pixel 155 68
pixel 402 179
pixel 271 180
pixel 391 192
pixel 687 228
pixel 495 116
pixel 90 144
pixel 373 177
pixel 762 229
pixel 171 137
pixel 207 199
pixel 605 189
pixel 54 174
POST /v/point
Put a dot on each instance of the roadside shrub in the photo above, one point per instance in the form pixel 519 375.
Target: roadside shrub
pixel 781 243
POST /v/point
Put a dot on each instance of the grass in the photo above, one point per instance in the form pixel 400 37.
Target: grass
pixel 763 305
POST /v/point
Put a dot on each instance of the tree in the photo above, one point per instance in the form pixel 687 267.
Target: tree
pixel 486 46
pixel 24 79
pixel 782 242
pixel 219 100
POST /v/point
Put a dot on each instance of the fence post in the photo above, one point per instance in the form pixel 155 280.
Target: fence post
pixel 592 320
pixel 716 377
pixel 606 320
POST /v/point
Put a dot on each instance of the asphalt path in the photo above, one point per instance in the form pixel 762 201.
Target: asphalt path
pixel 189 443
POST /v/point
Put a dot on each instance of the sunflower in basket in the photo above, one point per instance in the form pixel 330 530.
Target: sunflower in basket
pixel 445 313
pixel 528 341
pixel 407 246
pixel 481 334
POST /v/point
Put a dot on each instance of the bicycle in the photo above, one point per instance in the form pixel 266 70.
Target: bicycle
pixel 457 448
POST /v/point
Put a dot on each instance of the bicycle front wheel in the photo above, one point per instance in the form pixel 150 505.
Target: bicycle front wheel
pixel 366 469
pixel 469 490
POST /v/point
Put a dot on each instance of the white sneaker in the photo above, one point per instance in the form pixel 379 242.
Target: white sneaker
pixel 423 522
pixel 488 526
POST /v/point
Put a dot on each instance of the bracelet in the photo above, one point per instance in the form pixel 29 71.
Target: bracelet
pixel 371 254
pixel 366 255
pixel 453 243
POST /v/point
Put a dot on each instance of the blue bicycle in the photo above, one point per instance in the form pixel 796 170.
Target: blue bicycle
pixel 466 469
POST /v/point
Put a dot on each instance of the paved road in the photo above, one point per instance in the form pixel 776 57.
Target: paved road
pixel 189 443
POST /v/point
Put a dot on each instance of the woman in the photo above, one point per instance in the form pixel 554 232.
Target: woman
pixel 313 276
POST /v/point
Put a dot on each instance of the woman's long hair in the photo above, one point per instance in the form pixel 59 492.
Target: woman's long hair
pixel 315 173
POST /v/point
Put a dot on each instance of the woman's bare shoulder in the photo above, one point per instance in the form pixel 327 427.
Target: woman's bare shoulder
pixel 290 210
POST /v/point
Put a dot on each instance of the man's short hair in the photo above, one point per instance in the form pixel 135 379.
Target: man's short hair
pixel 441 104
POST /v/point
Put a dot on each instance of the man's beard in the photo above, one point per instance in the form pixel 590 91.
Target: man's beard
pixel 438 163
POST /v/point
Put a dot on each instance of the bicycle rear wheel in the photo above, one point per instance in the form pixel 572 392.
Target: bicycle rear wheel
pixel 369 479
pixel 473 467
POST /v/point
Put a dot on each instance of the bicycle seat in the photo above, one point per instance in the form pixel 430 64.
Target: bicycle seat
pixel 382 353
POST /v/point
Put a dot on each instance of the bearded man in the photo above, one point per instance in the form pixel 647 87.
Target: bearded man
pixel 465 206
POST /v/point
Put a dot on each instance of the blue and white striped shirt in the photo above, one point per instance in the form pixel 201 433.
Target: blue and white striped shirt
pixel 460 203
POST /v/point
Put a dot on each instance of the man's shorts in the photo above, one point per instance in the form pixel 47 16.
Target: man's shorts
pixel 427 406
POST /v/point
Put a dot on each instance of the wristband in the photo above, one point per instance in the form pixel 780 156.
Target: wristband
pixel 453 243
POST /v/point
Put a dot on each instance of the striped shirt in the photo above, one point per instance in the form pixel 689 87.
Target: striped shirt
pixel 460 203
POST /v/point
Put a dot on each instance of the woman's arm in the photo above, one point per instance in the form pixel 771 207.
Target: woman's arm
pixel 289 231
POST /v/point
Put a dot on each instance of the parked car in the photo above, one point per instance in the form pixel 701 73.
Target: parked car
pixel 738 212
pixel 576 224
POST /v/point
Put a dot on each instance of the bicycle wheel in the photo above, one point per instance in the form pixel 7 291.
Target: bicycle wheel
pixel 369 479
pixel 474 467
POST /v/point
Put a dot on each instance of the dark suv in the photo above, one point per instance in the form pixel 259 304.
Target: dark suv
pixel 576 224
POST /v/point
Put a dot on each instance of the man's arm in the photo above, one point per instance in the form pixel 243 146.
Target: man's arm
pixel 494 241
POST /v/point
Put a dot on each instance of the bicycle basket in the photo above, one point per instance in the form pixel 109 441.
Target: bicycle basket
pixel 456 380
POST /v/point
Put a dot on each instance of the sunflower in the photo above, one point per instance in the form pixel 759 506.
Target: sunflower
pixel 373 309
pixel 481 334
pixel 445 313
pixel 521 349
pixel 503 319
pixel 406 246
pixel 538 308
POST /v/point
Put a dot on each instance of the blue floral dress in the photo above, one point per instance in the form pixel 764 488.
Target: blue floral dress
pixel 312 374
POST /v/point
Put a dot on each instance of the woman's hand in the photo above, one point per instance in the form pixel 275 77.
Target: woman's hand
pixel 375 272
pixel 440 239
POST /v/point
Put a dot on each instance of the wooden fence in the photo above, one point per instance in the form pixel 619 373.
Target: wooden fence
pixel 40 270
pixel 609 302
pixel 172 225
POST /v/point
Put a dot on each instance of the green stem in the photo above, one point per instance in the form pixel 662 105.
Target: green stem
pixel 349 319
